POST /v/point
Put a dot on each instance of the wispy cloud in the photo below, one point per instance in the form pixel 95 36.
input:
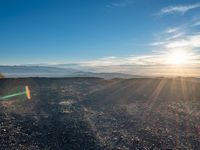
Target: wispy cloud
pixel 172 30
pixel 179 38
pixel 158 61
pixel 196 23
pixel 181 9
pixel 188 41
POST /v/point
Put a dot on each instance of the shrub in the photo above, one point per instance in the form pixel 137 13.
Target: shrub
pixel 1 75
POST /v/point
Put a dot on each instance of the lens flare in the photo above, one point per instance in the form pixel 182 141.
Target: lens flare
pixel 28 92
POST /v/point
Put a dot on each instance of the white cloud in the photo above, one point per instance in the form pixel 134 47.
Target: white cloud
pixel 181 9
pixel 176 35
pixel 156 58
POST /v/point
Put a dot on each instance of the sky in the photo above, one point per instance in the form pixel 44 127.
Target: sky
pixel 121 35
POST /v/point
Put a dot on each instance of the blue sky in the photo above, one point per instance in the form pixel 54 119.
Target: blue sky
pixel 89 31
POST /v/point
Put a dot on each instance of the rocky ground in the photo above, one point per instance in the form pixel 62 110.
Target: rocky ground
pixel 69 114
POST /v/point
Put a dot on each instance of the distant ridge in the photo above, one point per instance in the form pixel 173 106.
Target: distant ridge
pixel 46 71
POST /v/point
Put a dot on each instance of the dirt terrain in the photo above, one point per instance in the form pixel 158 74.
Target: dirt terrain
pixel 93 113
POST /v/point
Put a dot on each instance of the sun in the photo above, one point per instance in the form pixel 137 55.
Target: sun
pixel 178 58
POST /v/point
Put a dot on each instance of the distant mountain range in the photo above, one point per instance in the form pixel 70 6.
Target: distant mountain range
pixel 46 71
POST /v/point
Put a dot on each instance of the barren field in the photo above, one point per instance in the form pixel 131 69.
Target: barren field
pixel 93 113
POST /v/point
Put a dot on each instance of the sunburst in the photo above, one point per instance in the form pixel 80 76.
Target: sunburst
pixel 179 57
